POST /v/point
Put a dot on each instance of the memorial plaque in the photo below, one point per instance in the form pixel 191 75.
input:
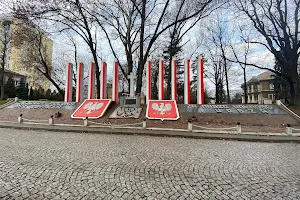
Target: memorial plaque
pixel 162 109
pixel 43 105
pixel 130 101
pixel 91 108
pixel 232 109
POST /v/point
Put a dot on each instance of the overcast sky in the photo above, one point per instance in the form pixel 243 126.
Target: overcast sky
pixel 195 40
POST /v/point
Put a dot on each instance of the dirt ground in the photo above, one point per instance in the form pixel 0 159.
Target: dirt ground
pixel 295 109
pixel 249 122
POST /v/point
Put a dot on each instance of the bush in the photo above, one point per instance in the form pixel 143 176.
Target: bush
pixel 10 89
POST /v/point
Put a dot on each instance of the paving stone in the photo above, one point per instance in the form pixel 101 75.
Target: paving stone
pixel 49 165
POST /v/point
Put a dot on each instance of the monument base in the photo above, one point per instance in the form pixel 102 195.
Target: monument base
pixel 126 113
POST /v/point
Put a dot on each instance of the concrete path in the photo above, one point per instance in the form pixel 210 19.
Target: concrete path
pixel 59 165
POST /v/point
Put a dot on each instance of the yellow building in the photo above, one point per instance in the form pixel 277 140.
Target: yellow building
pixel 26 46
pixel 260 89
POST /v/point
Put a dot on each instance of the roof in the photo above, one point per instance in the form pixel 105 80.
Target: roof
pixel 13 73
pixel 267 75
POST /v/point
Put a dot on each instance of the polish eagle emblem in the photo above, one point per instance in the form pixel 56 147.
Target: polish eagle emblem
pixel 92 107
pixel 162 108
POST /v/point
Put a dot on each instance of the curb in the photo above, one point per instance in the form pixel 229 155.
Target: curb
pixel 183 134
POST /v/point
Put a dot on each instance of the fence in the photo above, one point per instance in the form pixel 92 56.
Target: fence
pixel 143 125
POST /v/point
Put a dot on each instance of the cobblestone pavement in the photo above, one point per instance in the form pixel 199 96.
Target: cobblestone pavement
pixel 49 165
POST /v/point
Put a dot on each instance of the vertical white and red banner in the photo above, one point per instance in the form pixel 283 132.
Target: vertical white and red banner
pixel 91 91
pixel 187 81
pixel 103 81
pixel 69 83
pixel 149 81
pixel 115 90
pixel 200 81
pixel 79 85
pixel 174 79
pixel 161 80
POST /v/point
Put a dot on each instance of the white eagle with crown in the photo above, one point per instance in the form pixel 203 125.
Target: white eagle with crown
pixel 162 108
pixel 93 106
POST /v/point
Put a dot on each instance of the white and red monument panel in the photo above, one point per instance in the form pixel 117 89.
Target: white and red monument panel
pixel 69 83
pixel 79 85
pixel 161 80
pixel 148 81
pixel 187 82
pixel 174 79
pixel 115 89
pixel 91 108
pixel 200 81
pixel 103 81
pixel 162 109
pixel 91 91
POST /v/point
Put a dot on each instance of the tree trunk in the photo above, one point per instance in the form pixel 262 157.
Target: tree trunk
pixel 154 89
pixel 2 81
pixel 245 87
pixel 217 91
pixel 97 73
pixel 227 84
pixel 129 67
pixel 139 80
pixel 295 92
pixel 141 64
pixel 2 92
pixel 60 91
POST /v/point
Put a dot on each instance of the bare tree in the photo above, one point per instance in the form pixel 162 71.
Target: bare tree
pixel 277 21
pixel 219 36
pixel 244 54
pixel 162 24
pixel 67 15
pixel 121 16
pixel 5 39
pixel 215 72
pixel 177 32
pixel 138 30
pixel 33 41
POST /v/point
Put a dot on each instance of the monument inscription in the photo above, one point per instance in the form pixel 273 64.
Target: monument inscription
pixel 231 109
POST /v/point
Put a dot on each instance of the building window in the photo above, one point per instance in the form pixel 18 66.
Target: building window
pixel 270 96
pixel 271 86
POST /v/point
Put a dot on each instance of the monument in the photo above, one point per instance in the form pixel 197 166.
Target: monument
pixel 130 104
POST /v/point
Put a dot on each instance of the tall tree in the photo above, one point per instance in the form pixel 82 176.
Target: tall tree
pixel 122 17
pixel 215 73
pixel 220 38
pixel 5 32
pixel 139 24
pixel 66 15
pixel 281 86
pixel 32 40
pixel 242 54
pixel 174 48
pixel 162 24
pixel 10 88
pixel 277 21
pixel 21 89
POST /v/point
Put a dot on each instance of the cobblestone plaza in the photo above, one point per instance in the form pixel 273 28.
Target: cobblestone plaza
pixel 55 165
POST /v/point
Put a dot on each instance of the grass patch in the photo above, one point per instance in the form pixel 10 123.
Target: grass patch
pixel 3 102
